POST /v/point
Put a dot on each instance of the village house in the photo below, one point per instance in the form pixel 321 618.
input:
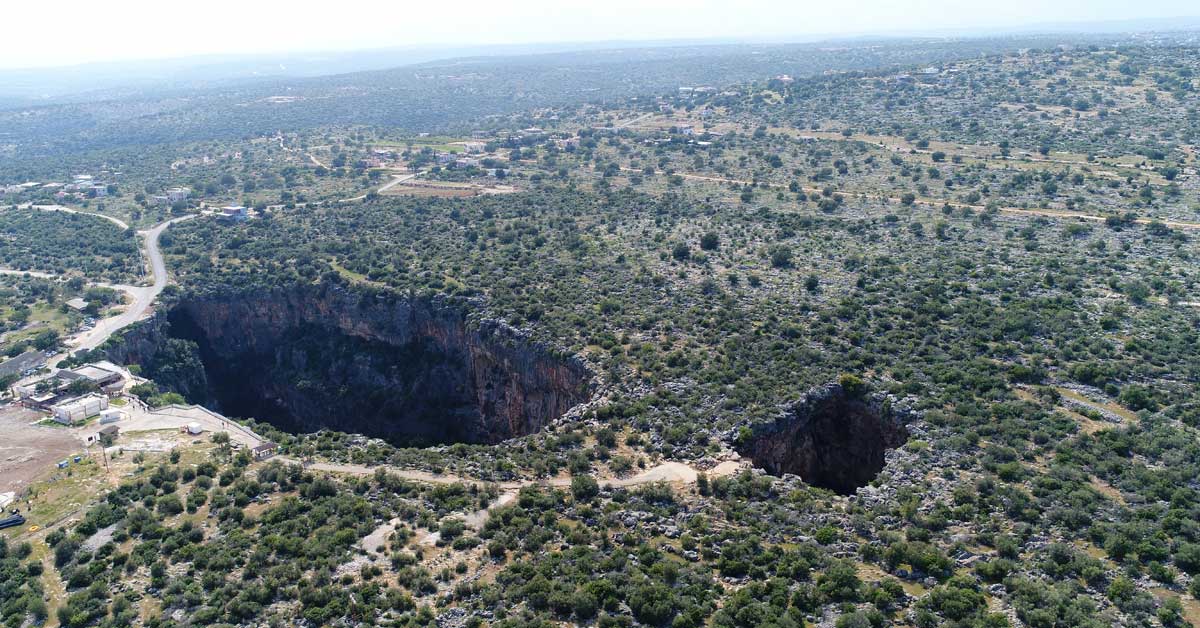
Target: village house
pixel 234 213
pixel 108 434
pixel 264 451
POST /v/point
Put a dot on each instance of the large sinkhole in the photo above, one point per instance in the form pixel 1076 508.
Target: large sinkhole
pixel 831 438
pixel 413 371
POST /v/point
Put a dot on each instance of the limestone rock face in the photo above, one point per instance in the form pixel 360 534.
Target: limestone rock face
pixel 830 439
pixel 412 370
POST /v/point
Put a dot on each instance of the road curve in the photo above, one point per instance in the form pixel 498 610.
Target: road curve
pixel 397 179
pixel 67 210
pixel 142 297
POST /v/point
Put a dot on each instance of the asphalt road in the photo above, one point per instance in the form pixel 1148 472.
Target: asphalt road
pixel 142 296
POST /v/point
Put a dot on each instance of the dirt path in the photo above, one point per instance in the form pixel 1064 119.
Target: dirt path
pixel 935 202
pixel 31 273
pixel 396 180
pixel 59 208
pixel 665 472
pixel 670 472
pixel 632 121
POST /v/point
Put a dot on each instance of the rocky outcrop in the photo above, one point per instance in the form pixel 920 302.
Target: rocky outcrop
pixel 412 370
pixel 830 438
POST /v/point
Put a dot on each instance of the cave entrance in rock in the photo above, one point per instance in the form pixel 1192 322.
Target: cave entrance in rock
pixel 413 372
pixel 831 439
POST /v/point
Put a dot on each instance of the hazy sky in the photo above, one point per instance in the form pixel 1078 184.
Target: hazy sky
pixel 58 32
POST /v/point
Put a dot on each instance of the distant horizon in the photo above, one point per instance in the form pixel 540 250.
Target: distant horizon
pixel 656 22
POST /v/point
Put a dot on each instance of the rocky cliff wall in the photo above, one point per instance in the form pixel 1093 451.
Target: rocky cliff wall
pixel 412 370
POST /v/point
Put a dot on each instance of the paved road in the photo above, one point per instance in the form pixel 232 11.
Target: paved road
pixel 142 297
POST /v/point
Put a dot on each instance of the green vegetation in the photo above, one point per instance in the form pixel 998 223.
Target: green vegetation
pixel 1004 244
pixel 61 243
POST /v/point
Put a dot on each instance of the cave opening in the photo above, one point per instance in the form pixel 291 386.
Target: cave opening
pixel 832 439
pixel 412 371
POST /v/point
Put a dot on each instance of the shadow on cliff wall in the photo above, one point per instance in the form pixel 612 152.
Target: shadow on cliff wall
pixel 832 438
pixel 410 370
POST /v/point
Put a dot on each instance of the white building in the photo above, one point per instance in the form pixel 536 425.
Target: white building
pixel 79 409
pixel 236 213
pixel 175 195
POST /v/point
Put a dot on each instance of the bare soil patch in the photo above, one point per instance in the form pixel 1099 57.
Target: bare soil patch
pixel 29 450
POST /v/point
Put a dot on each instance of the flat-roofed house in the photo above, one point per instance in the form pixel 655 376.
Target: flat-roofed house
pixel 79 409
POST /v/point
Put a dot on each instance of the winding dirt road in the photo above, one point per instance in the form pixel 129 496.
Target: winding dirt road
pixel 67 210
pixel 670 472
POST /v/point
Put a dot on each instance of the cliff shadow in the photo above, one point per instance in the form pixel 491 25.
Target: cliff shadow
pixel 411 370
pixel 831 438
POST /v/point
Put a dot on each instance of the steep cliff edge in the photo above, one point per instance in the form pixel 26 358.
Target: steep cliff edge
pixel 412 370
pixel 830 438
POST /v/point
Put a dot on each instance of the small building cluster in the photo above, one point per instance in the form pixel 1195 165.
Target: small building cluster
pixel 82 186
pixel 49 393
pixel 79 409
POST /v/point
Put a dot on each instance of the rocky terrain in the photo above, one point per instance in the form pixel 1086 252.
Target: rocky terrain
pixel 905 345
